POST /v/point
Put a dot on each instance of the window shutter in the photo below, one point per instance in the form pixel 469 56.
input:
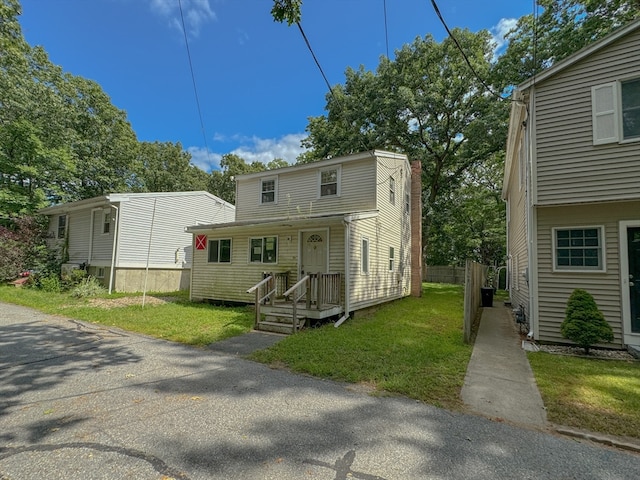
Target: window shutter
pixel 604 113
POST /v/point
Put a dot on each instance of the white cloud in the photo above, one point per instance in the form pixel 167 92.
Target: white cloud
pixel 498 32
pixel 251 149
pixel 203 159
pixel 196 13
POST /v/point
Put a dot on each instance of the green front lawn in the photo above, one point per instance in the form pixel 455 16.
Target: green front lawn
pixel 595 395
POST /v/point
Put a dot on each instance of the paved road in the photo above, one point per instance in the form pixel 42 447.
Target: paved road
pixel 82 402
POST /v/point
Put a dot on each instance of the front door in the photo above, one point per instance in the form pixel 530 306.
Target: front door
pixel 314 250
pixel 630 280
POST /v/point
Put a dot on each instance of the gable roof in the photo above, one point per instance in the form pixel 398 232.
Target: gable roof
pixel 104 200
pixel 581 54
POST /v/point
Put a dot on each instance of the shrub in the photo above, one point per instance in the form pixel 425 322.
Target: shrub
pixel 89 287
pixel 49 283
pixel 584 323
pixel 74 278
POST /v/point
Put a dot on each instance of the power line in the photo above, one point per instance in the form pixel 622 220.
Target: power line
pixel 464 55
pixel 193 79
pixel 386 31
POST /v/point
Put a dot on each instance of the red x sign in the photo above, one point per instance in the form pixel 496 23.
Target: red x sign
pixel 201 242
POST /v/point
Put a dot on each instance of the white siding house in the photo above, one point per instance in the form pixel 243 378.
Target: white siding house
pixel 133 240
pixel 572 186
pixel 341 227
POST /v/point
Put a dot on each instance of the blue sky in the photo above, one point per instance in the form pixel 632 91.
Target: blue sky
pixel 257 83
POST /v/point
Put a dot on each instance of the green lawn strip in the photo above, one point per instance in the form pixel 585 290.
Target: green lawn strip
pixel 596 395
pixel 181 321
pixel 411 347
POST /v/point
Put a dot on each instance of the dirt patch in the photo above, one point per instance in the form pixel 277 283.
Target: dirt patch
pixel 128 301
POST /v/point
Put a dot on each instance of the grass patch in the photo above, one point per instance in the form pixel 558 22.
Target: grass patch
pixel 412 347
pixel 178 320
pixel 595 395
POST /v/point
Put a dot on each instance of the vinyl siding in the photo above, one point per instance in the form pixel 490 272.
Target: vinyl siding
pixel 230 281
pixel 297 192
pixel 167 242
pixel 518 262
pixel 569 168
pixel 78 230
pixel 556 287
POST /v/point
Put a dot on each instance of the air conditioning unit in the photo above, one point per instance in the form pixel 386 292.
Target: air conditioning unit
pixel 67 268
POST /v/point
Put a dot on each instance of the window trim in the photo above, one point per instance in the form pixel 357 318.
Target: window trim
pixel 392 259
pixel 273 178
pixel 338 170
pixel 210 249
pixel 602 268
pixel 365 255
pixel 262 250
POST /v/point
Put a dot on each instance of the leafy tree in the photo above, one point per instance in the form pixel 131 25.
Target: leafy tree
pixel 286 11
pixel 426 103
pixel 166 167
pixel 562 28
pixel 584 323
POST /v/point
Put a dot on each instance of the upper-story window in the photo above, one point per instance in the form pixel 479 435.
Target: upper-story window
pixel 630 95
pixel 268 190
pixel 62 225
pixel 330 182
pixel 392 191
pixel 615 111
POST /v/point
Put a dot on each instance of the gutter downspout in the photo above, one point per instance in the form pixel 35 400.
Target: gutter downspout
pixel 347 277
pixel 113 251
pixel 532 230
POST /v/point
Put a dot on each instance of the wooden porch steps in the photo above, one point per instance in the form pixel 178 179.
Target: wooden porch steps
pixel 280 323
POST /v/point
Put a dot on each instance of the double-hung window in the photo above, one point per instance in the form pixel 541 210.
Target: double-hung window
pixel 220 251
pixel 268 190
pixel 630 96
pixel 391 258
pixel 579 248
pixel 263 250
pixel 330 182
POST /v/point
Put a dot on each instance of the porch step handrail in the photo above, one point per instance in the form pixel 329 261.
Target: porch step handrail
pixel 267 282
pixel 294 319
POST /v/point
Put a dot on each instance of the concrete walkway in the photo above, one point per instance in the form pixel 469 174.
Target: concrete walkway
pixel 499 383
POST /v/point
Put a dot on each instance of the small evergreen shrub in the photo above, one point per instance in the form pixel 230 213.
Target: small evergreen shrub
pixel 584 323
pixel 88 287
pixel 74 278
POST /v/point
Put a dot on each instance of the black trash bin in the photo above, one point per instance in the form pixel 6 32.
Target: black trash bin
pixel 487 296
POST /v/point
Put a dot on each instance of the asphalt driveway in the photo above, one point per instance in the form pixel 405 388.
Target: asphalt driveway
pixel 84 402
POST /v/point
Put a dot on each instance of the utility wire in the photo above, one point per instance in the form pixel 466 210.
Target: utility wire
pixel 464 55
pixel 386 31
pixel 193 79
pixel 331 92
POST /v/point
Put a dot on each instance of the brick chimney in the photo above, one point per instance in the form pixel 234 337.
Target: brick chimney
pixel 416 228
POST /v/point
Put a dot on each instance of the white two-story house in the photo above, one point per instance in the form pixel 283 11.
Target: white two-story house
pixel 332 236
pixel 572 187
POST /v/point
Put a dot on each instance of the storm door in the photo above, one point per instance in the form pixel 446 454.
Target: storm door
pixel 633 251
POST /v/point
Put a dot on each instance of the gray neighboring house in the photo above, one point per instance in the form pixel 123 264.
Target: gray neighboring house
pixel 134 240
pixel 572 187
